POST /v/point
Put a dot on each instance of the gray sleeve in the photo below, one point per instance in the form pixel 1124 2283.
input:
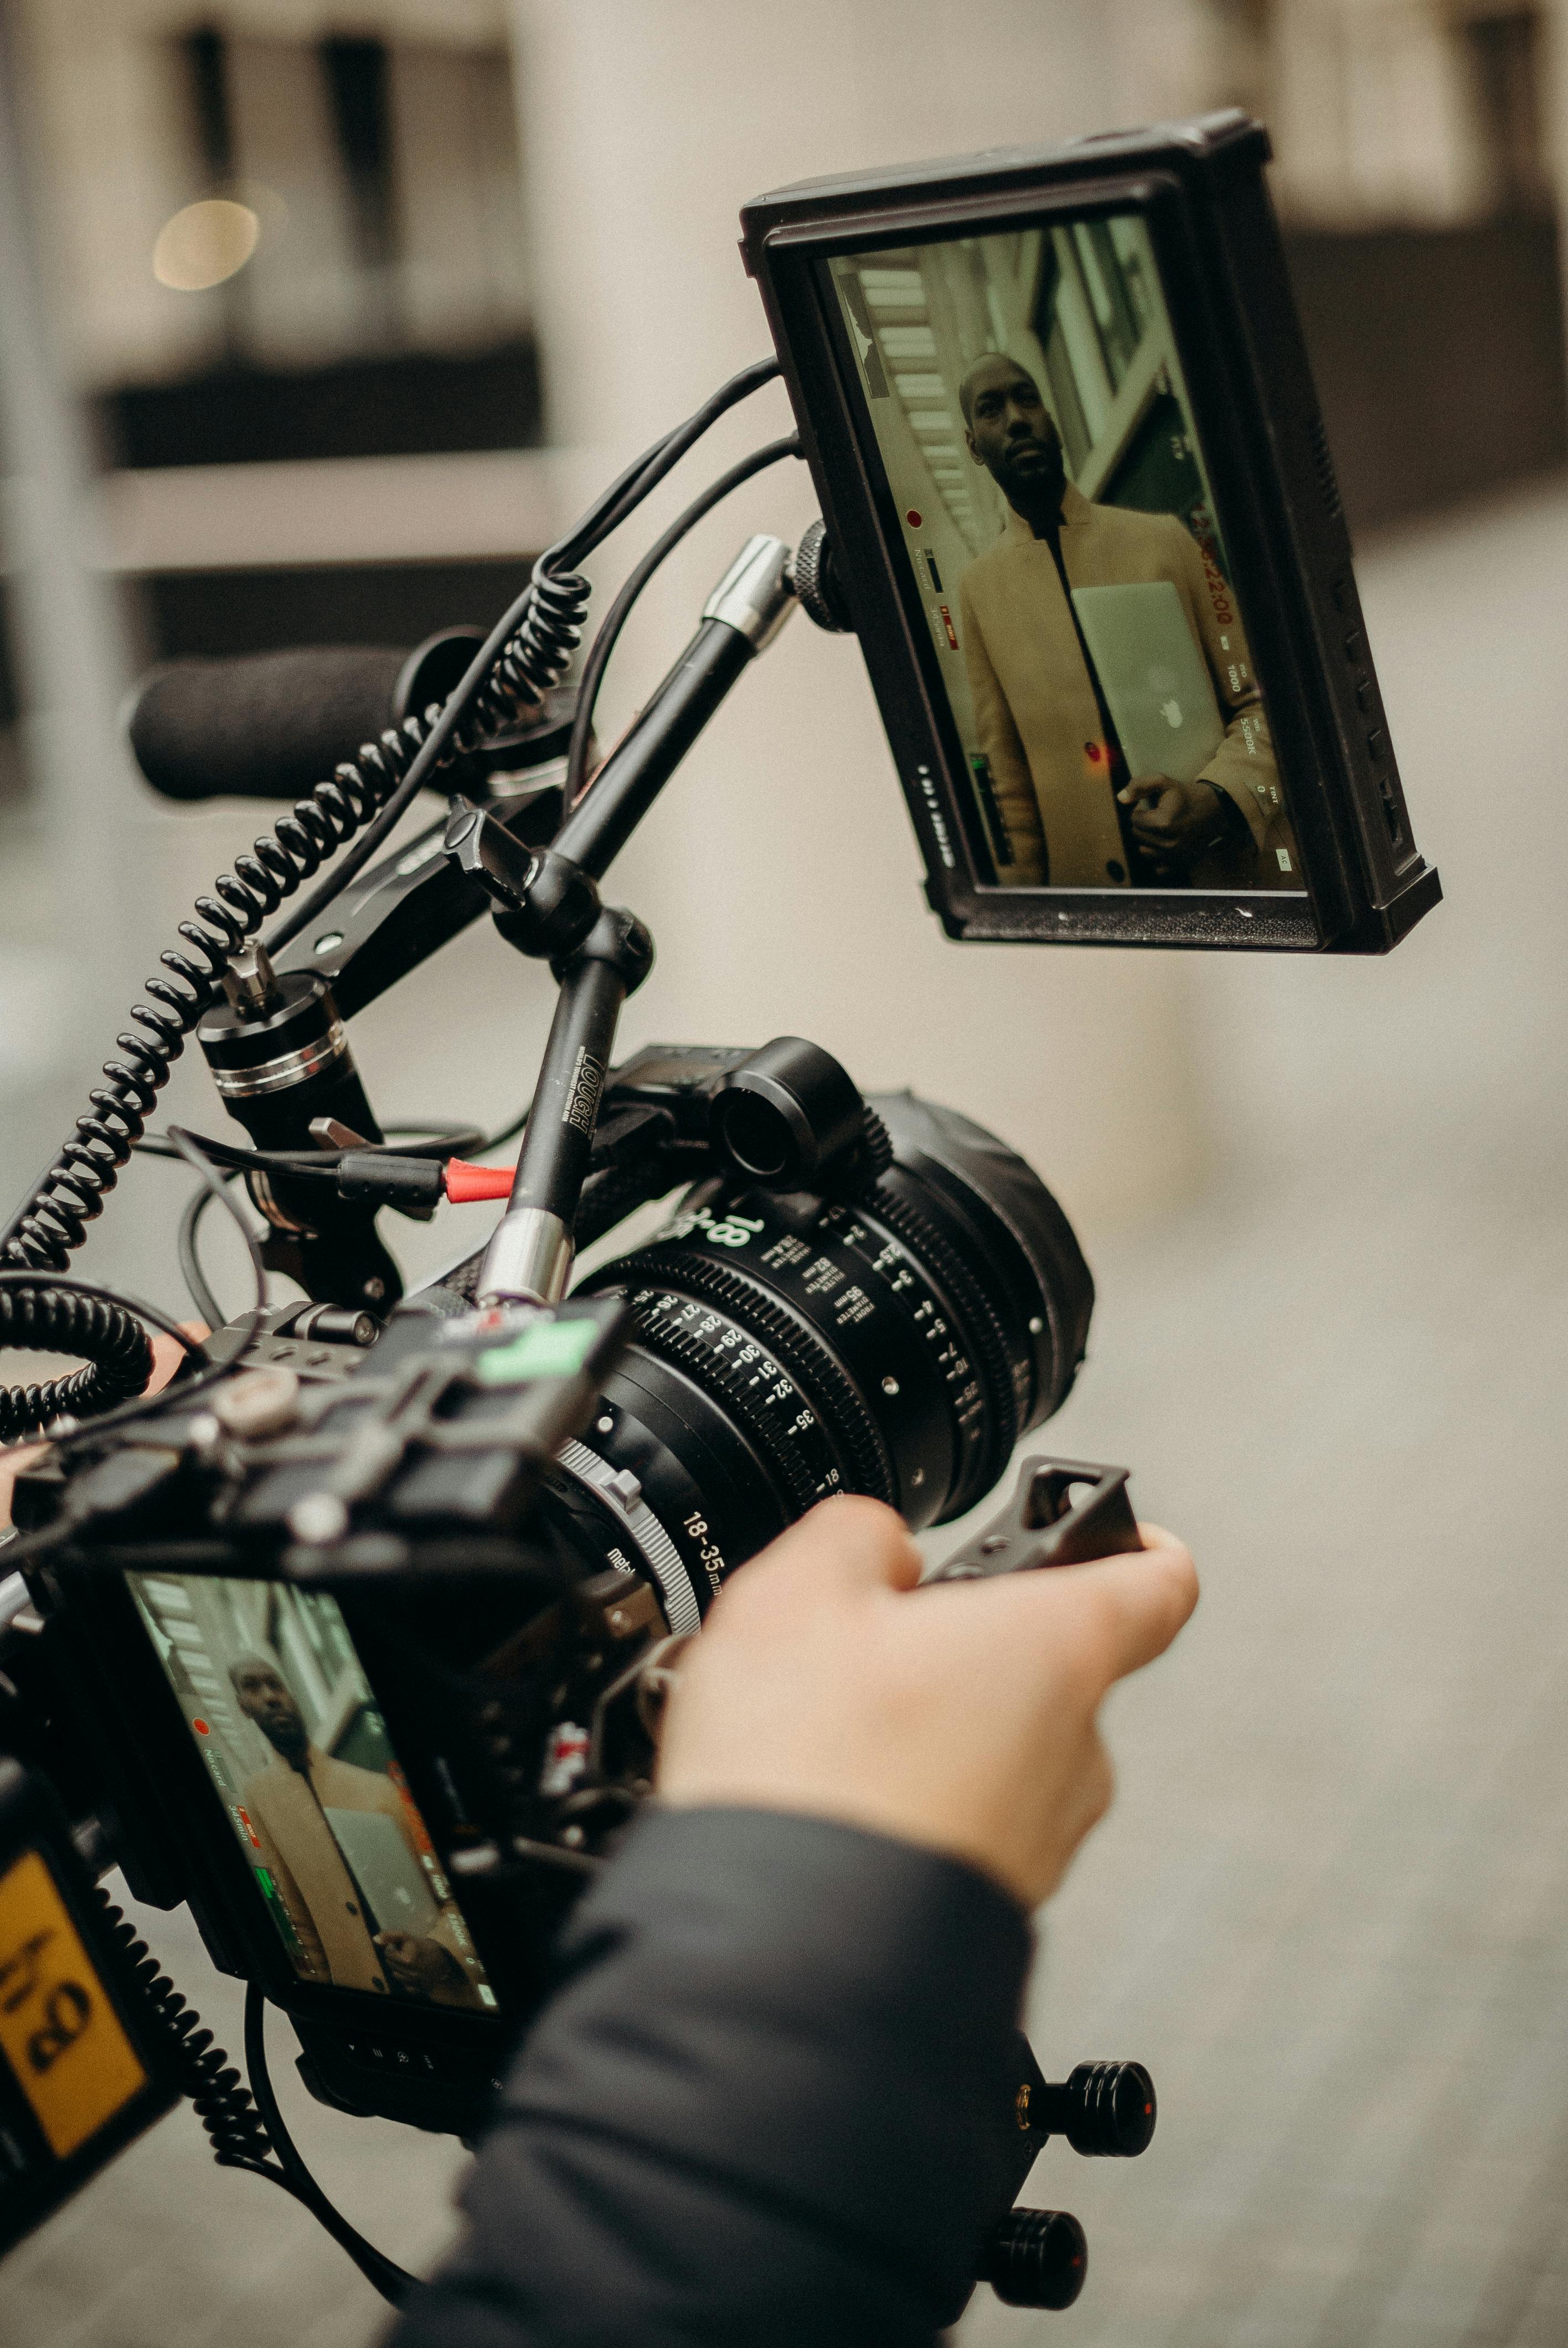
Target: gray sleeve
pixel 766 2103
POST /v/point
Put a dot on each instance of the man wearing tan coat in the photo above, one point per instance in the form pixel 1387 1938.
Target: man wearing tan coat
pixel 1074 818
pixel 286 1804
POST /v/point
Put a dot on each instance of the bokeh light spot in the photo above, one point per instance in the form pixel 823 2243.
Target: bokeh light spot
pixel 205 243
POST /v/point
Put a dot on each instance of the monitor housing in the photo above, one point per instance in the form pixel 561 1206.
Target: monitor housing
pixel 1235 353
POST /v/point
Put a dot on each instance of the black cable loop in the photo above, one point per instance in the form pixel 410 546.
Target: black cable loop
pixel 383 2274
pixel 536 657
pixel 115 1347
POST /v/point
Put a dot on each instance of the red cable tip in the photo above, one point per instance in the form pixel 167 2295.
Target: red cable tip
pixel 465 1182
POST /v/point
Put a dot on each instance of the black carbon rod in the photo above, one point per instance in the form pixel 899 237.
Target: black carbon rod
pixel 643 762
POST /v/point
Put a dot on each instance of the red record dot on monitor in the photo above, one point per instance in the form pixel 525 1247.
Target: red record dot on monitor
pixel 202 1728
pixel 914 517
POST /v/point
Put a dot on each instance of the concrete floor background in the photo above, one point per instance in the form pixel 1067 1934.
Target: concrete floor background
pixel 1330 1909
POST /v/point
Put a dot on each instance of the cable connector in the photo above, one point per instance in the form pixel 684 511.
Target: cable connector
pixel 413 1185
pixel 465 1183
pixel 416 1184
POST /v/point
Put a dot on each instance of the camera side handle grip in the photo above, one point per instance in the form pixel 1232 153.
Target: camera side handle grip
pixel 1064 1512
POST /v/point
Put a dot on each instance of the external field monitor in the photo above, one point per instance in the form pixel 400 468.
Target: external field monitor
pixel 1081 505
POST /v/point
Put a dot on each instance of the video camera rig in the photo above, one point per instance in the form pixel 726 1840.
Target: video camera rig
pixel 517 1625
pixel 440 1554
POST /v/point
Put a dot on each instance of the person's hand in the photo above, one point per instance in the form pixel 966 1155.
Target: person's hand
pixel 166 1357
pixel 962 1716
pixel 1171 819
pixel 417 1963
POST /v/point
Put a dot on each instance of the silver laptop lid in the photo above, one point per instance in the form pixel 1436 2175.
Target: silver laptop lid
pixel 1153 676
pixel 391 1878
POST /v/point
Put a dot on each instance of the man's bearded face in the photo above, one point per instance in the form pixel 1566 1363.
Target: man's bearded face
pixel 1013 435
pixel 266 1699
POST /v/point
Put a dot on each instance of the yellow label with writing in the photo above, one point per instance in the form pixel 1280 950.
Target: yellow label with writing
pixel 58 2032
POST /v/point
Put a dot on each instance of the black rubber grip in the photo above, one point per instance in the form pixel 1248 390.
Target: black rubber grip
pixel 268 725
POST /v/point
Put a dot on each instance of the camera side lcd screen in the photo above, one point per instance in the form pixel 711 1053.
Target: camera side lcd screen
pixel 278 1705
pixel 1043 476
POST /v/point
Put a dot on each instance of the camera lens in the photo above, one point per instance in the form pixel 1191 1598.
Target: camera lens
pixel 792 1346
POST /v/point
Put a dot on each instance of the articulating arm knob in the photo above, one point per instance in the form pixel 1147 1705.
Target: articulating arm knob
pixel 546 905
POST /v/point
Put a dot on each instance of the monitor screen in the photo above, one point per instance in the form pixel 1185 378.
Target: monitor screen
pixel 278 1705
pixel 1040 469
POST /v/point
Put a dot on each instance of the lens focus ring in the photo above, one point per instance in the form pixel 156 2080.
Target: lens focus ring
pixel 753 1383
pixel 982 1326
pixel 865 1462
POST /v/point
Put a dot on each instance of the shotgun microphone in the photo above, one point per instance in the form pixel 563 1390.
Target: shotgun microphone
pixel 274 724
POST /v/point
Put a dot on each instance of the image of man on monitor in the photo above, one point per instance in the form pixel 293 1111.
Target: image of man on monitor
pixel 1075 810
pixel 292 1806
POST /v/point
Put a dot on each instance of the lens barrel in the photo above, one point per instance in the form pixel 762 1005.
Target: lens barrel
pixel 792 1346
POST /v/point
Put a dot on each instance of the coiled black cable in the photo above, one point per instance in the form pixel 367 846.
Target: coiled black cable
pixel 81 1316
pixel 53 1221
pixel 107 1334
pixel 204 2072
pixel 241 2135
pixel 527 653
pixel 537 639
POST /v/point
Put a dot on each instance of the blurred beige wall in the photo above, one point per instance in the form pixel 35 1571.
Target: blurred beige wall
pixel 779 875
pixel 1383 111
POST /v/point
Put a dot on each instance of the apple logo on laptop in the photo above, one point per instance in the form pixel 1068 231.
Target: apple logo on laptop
pixel 1171 711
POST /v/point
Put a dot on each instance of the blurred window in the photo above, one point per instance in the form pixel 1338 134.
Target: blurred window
pixel 1116 317
pixel 385 177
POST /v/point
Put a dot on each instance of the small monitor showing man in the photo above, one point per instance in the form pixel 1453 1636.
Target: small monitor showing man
pixel 1029 406
pixel 277 1704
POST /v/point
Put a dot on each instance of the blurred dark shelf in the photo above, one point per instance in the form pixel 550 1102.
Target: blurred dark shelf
pixel 1438 355
pixel 417 405
pixel 216 613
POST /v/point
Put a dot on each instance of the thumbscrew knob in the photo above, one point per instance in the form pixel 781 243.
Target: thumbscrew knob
pixel 1106 2109
pixel 814 574
pixel 1036 2258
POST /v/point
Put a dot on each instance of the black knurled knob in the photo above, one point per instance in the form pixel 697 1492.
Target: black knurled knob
pixel 1106 2109
pixel 815 575
pixel 1036 2258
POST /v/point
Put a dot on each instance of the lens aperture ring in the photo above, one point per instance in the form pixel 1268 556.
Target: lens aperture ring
pixel 852 1430
pixel 766 1401
pixel 982 1328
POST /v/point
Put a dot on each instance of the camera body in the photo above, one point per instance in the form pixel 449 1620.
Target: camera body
pixel 364 1650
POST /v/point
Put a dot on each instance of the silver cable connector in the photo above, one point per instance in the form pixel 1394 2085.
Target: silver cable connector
pixel 754 596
